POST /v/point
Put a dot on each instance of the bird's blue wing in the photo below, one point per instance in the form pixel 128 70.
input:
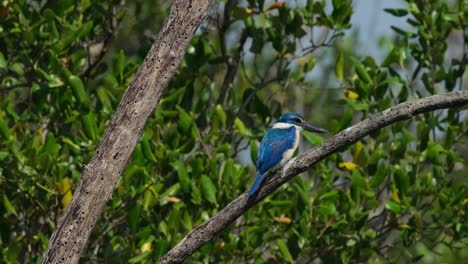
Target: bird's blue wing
pixel 273 145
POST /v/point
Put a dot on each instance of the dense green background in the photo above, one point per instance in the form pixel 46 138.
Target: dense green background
pixel 399 195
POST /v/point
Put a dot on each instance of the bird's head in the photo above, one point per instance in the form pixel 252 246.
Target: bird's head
pixel 297 120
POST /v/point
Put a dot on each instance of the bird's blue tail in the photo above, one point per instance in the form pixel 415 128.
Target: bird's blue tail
pixel 256 184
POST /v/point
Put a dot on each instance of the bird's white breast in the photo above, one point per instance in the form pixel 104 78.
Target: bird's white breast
pixel 287 155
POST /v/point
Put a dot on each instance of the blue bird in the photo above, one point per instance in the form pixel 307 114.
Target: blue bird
pixel 279 144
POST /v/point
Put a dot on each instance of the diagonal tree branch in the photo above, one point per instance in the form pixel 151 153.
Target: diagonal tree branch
pixel 103 171
pixel 205 232
pixel 233 64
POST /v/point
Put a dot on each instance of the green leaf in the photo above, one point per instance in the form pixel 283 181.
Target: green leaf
pixel 196 196
pixel 55 81
pixel 149 197
pixel 362 106
pixel 313 138
pixel 169 192
pixel 133 217
pixel 85 29
pixel 104 97
pixel 221 114
pixel 208 189
pixel 402 32
pixel 70 143
pixel 394 206
pixel 283 248
pixel 452 17
pixel 253 150
pixel 304 195
pixel 326 209
pixel 146 148
pixel 182 173
pixel 357 180
pixel 240 12
pixel 339 66
pixel 173 96
pixel 4 132
pixel 3 63
pixel 332 195
pixel 398 12
pixel 89 123
pixel 241 128
pixel 310 64
pixel 119 65
pixel 84 4
pixel 379 176
pixel 185 119
pixel 17 68
pixel 187 221
pixel 361 70
pixel 160 247
pixel 78 90
pixel 433 152
pixel 402 180
pixel 142 258
pixel 8 206
pixel 351 242
pixel 50 146
pixel 4 155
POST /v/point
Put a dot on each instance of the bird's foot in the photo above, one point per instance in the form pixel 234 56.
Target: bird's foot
pixel 287 166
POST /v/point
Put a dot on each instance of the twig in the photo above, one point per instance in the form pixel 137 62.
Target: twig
pixel 231 71
pixel 97 50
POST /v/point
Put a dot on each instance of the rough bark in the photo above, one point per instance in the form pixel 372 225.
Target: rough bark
pixel 205 232
pixel 103 171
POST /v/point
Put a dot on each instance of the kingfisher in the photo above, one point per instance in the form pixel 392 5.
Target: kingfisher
pixel 279 144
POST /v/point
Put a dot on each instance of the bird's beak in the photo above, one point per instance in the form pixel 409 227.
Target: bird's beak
pixel 312 128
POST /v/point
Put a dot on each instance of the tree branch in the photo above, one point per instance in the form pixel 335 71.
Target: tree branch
pixel 205 232
pixel 97 50
pixel 103 171
pixel 231 71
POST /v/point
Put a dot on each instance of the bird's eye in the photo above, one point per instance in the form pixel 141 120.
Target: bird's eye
pixel 297 120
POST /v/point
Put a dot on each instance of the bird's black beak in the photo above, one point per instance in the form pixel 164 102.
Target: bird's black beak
pixel 312 128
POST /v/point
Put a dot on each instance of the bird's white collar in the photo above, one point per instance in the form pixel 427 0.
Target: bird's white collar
pixel 282 125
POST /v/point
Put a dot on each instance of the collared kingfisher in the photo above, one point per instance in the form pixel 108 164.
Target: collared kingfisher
pixel 279 144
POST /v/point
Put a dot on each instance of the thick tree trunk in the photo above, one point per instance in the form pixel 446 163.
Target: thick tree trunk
pixel 103 171
pixel 205 232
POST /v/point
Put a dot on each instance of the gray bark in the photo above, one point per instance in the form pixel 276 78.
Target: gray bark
pixel 103 171
pixel 205 232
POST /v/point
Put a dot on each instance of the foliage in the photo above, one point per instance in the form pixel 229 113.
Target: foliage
pixel 398 195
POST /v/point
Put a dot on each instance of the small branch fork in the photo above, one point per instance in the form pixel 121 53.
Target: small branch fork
pixel 205 232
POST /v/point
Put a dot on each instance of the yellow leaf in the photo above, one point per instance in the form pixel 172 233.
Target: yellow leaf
pixel 64 188
pixel 395 196
pixel 248 11
pixel 283 220
pixel 351 95
pixel 339 65
pixel 173 199
pixel 347 165
pixel 275 5
pixel 357 152
pixel 145 247
pixel 302 60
